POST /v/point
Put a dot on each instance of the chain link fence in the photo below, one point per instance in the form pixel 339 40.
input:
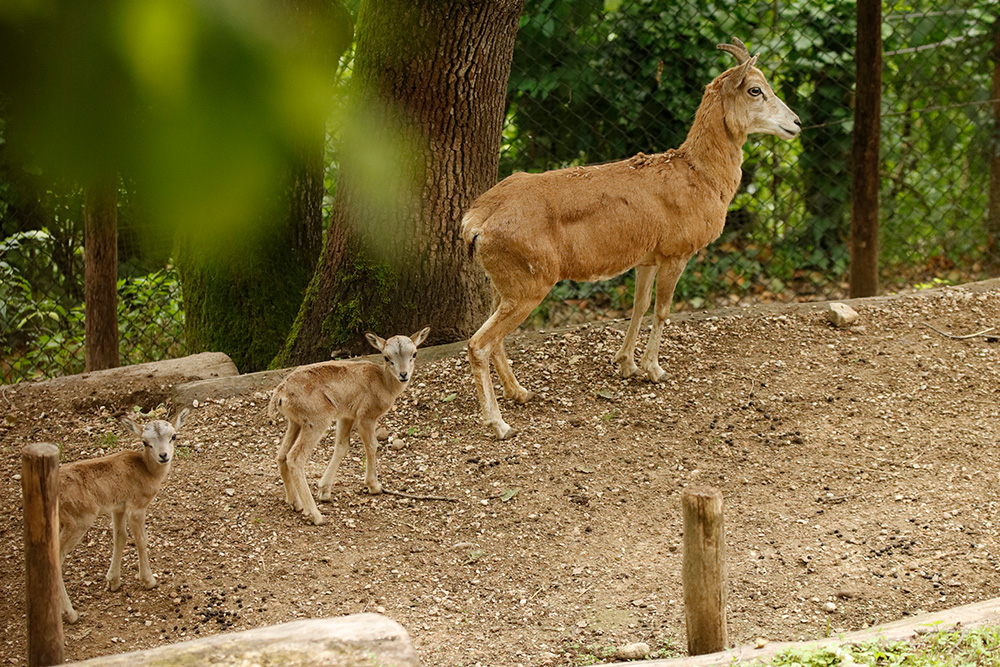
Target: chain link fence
pixel 41 283
pixel 600 80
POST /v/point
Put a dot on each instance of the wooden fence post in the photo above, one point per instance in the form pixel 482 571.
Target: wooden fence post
pixel 704 570
pixel 865 177
pixel 40 490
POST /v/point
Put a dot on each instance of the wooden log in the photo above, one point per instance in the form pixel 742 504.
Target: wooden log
pixel 704 570
pixel 40 489
pixel 359 640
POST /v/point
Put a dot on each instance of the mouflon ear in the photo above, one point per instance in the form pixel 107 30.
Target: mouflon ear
pixel 420 336
pixel 376 341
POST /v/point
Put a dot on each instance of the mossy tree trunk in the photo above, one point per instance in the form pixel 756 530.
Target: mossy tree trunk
pixel 244 300
pixel 422 141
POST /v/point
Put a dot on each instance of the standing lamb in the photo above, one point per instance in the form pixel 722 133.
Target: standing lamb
pixel 122 485
pixel 652 212
pixel 351 392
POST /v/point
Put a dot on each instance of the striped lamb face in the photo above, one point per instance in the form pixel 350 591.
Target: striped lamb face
pixel 399 352
pixel 158 437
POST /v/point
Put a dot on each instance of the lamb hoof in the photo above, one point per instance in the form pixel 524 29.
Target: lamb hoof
pixel 656 374
pixel 149 583
pixel 520 395
pixel 375 489
pixel 627 371
pixel 72 616
pixel 323 495
pixel 114 583
pixel 502 430
pixel 317 519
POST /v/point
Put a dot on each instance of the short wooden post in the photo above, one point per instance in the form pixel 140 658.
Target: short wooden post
pixel 40 489
pixel 704 570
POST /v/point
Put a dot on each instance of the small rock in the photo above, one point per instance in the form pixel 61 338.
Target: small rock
pixel 574 421
pixel 397 444
pixel 636 651
pixel 462 546
pixel 230 491
pixel 847 593
pixel 841 315
pixel 761 642
pixel 381 434
pixel 829 607
pixel 581 623
pixel 17 478
pixel 194 403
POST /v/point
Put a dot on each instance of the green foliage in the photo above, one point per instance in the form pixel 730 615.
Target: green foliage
pixel 198 103
pixel 42 320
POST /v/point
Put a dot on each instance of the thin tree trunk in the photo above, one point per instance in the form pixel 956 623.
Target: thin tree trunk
pixel 865 151
pixel 100 244
pixel 993 216
pixel 427 95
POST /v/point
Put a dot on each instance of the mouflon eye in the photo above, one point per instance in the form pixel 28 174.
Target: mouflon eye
pixel 755 91
pixel 414 355
pixel 385 357
pixel 173 437
pixel 145 443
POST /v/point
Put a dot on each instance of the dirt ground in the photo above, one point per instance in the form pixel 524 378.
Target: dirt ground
pixel 859 468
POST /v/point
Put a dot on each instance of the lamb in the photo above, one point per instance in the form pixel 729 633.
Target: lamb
pixel 651 212
pixel 121 485
pixel 352 393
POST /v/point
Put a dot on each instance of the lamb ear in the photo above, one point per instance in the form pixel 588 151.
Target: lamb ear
pixel 130 425
pixel 420 336
pixel 179 419
pixel 376 341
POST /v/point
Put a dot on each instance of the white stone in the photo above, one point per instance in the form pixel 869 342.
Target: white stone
pixel 841 315
pixel 636 651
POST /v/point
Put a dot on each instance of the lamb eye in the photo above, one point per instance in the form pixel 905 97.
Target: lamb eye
pixel 386 358
pixel 755 91
pixel 414 355
pixel 145 443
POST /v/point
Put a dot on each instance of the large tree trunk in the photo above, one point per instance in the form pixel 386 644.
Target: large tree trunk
pixel 422 142
pixel 243 301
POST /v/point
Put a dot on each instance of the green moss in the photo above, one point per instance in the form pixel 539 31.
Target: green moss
pixel 364 290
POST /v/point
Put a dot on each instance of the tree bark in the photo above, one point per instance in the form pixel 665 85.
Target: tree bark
pixel 427 98
pixel 244 303
pixel 865 151
pixel 100 245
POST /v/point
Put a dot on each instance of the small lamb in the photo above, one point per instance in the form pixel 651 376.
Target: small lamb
pixel 353 393
pixel 121 485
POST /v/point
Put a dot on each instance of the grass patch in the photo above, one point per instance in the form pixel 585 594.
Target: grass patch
pixel 979 647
